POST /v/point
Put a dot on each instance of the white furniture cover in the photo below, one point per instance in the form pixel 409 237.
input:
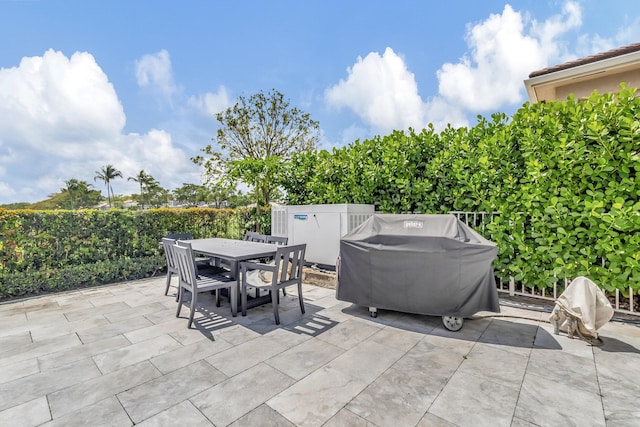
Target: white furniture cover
pixel 582 307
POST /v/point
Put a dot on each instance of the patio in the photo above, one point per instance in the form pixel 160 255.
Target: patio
pixel 118 356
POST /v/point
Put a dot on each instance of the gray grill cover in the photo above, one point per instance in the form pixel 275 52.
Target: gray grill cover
pixel 423 264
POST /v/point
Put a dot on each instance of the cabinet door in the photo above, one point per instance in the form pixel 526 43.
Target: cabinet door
pixel 321 233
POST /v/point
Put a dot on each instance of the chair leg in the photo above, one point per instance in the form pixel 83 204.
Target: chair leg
pixel 166 289
pixel 179 296
pixel 243 298
pixel 233 299
pixel 300 297
pixel 284 291
pixel 194 297
pixel 274 301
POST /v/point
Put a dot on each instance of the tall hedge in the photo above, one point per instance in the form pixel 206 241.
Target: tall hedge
pixel 560 175
pixel 44 251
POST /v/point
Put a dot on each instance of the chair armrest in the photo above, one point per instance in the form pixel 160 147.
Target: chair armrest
pixel 247 265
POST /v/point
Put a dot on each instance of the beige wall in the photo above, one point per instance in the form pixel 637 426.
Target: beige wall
pixel 604 84
pixel 604 76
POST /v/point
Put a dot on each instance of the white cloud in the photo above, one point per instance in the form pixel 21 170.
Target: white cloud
pixel 68 97
pixel 589 44
pixel 210 103
pixel 154 71
pixel 6 189
pixel 156 154
pixel 501 56
pixel 61 118
pixel 503 50
pixel 547 32
pixel 441 113
pixel 629 33
pixel 346 136
pixel 382 91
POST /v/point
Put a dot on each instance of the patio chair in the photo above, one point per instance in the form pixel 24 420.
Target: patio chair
pixel 172 267
pixel 201 261
pixel 207 268
pixel 198 283
pixel 179 236
pixel 285 271
pixel 248 235
pixel 277 240
pixel 252 236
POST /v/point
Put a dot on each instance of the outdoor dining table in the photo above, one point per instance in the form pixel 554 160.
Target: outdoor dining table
pixel 234 252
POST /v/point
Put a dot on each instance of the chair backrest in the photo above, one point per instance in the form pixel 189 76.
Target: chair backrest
pixel 249 234
pixel 257 237
pixel 289 261
pixel 169 254
pixel 186 244
pixel 180 236
pixel 277 240
pixel 186 266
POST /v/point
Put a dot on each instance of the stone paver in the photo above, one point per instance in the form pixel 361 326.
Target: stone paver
pixel 106 413
pixel 42 383
pixel 262 416
pixel 558 404
pixel 89 392
pixel 117 356
pixel 31 413
pixel 134 353
pixel 188 415
pixel 249 389
pixel 155 396
pixel 475 401
pixel 18 370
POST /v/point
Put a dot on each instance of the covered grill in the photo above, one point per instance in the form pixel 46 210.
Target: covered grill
pixel 422 264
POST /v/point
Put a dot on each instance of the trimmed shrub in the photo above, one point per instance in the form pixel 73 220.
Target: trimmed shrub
pixel 47 251
pixel 563 177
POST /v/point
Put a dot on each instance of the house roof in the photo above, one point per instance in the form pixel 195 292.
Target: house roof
pixel 603 72
pixel 588 59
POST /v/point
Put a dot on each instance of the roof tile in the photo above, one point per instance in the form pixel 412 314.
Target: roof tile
pixel 588 60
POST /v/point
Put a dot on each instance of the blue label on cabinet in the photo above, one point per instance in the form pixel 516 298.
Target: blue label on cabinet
pixel 301 217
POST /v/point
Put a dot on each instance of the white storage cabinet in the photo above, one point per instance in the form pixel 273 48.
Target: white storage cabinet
pixel 319 226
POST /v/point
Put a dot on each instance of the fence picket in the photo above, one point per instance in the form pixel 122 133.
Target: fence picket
pixel 464 216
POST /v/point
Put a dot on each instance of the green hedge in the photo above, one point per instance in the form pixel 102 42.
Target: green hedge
pixel 561 175
pixel 43 251
pixel 33 282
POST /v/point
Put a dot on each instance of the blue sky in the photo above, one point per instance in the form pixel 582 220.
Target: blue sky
pixel 136 84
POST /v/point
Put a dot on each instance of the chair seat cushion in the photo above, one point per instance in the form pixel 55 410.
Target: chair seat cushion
pixel 262 278
pixel 258 278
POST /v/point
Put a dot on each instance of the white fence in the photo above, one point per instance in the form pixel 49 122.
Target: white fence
pixel 478 221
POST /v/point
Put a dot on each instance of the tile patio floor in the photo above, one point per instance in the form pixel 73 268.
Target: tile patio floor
pixel 117 356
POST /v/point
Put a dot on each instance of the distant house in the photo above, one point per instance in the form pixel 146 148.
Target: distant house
pixel 602 72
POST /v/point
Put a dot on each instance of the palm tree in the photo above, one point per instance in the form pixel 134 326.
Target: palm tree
pixel 145 180
pixel 106 174
pixel 79 194
pixel 71 188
